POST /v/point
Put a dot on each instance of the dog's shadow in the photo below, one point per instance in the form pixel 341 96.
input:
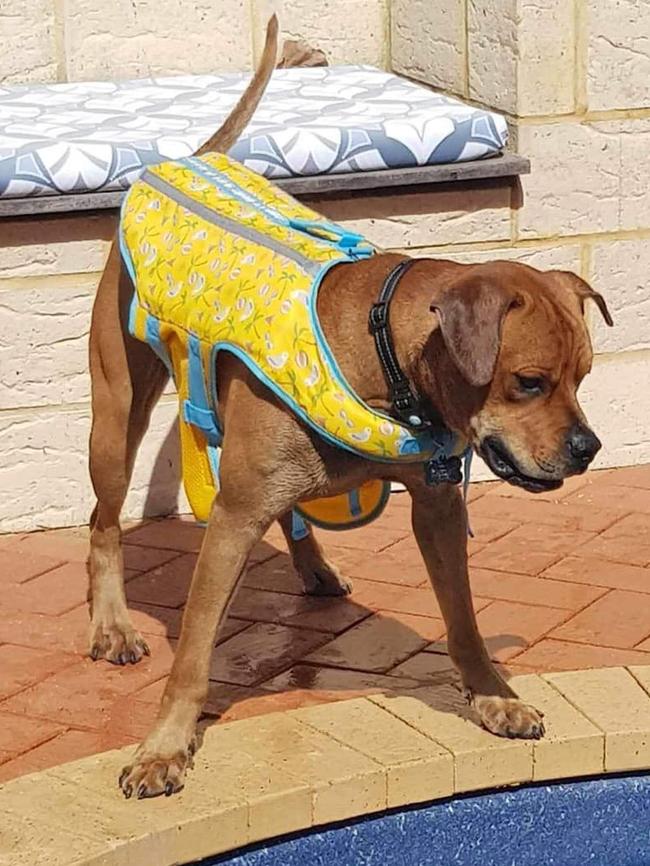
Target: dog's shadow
pixel 303 662
pixel 265 660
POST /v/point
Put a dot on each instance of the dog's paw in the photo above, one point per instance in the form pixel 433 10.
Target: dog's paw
pixel 151 775
pixel 325 580
pixel 118 644
pixel 509 717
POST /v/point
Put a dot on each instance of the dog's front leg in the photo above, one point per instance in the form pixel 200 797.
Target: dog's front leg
pixel 440 526
pixel 236 524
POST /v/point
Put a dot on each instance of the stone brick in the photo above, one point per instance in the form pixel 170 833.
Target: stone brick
pixel 574 186
pixel 619 54
pixel 545 72
pixel 492 43
pixel 481 759
pixel 124 41
pixel 420 219
pixel 620 271
pixel 520 61
pixel 325 26
pixel 614 701
pixel 192 824
pixel 562 257
pixel 59 245
pixel 634 137
pixel 44 344
pixel 23 838
pixel 417 768
pixel 616 401
pixel 556 655
pixel 620 619
pixel 29 24
pixel 428 42
pixel 344 783
pixel 44 469
pixel 572 745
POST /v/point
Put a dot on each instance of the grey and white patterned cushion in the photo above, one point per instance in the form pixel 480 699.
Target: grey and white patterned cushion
pixel 86 137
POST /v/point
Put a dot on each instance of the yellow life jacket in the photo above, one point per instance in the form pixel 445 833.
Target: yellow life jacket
pixel 223 260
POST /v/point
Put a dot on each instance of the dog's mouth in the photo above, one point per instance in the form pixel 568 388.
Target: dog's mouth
pixel 501 462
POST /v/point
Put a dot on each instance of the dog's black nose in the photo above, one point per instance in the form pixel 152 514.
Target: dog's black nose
pixel 583 444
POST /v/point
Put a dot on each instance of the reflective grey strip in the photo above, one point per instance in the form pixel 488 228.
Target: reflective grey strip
pixel 229 225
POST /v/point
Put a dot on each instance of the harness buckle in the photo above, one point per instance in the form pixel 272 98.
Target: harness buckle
pixel 443 470
pixel 378 318
pixel 405 403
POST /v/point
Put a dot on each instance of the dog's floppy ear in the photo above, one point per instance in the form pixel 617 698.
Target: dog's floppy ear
pixel 470 314
pixel 583 290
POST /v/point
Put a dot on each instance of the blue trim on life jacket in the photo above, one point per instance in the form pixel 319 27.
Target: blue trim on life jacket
pixel 197 409
pixel 467 468
pixel 299 528
pixel 152 333
pixel 354 502
pixel 214 456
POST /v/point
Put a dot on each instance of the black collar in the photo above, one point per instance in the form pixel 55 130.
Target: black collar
pixel 405 402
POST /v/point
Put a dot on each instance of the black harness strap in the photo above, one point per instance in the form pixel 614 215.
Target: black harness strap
pixel 405 402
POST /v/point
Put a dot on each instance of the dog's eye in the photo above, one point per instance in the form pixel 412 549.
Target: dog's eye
pixel 531 384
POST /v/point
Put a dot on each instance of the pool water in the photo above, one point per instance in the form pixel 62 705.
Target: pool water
pixel 600 822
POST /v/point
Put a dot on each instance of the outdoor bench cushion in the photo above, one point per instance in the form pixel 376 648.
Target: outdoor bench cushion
pixel 97 136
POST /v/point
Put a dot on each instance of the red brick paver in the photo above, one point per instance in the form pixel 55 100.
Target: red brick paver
pixel 560 581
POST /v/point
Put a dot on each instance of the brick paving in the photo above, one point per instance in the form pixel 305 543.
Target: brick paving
pixel 560 580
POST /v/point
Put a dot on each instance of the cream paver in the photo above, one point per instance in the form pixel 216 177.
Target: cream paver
pixel 275 801
pixel 417 768
pixel 344 782
pixel 83 797
pixel 28 842
pixel 481 760
pixel 641 674
pixel 572 745
pixel 612 699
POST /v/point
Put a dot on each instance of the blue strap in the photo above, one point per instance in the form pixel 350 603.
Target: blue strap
pixel 197 409
pixel 299 528
pixel 467 467
pixel 344 240
pixel 354 503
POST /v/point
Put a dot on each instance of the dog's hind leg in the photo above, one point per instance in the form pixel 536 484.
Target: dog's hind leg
pixel 440 526
pixel 127 379
pixel 318 575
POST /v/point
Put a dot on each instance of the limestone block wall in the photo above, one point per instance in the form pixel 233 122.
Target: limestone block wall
pixel 572 77
pixel 82 40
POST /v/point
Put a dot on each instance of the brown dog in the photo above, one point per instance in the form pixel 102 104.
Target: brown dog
pixel 498 351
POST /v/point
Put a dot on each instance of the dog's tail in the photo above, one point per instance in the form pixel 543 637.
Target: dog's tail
pixel 233 126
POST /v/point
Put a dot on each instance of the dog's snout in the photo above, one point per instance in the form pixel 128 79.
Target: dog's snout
pixel 583 444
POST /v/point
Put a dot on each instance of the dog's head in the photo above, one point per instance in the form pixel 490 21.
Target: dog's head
pixel 518 337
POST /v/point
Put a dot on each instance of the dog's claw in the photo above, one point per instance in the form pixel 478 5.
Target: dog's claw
pixel 169 789
pixel 118 644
